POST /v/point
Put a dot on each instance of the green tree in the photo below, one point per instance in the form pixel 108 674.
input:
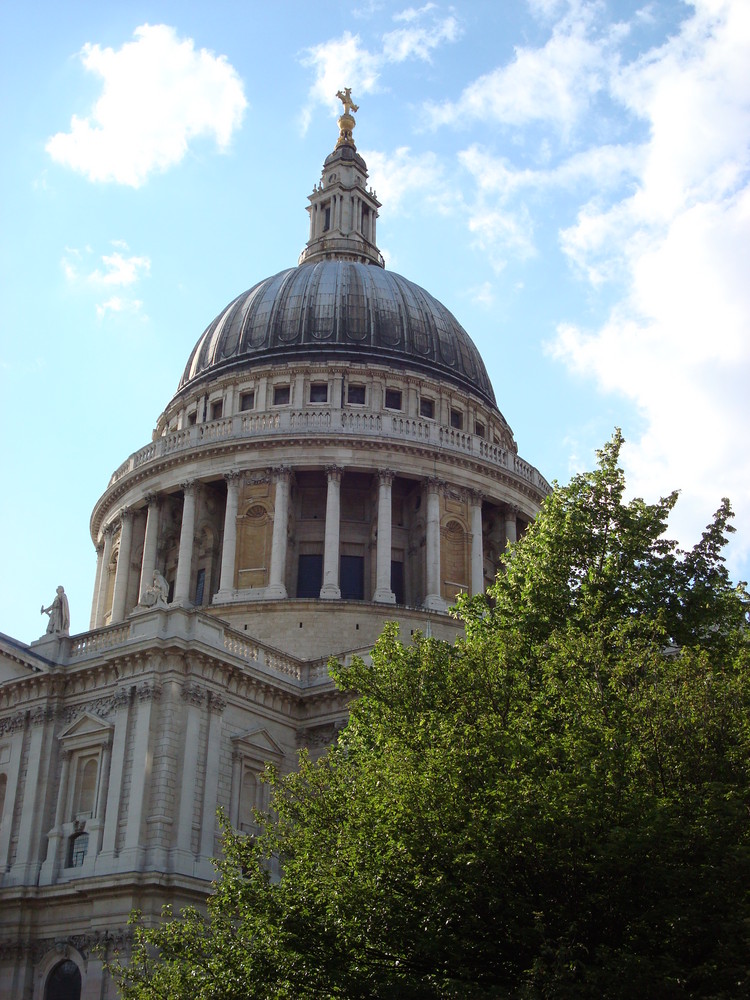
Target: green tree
pixel 556 806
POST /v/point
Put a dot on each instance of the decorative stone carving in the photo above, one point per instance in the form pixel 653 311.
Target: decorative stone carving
pixel 193 693
pixel 155 595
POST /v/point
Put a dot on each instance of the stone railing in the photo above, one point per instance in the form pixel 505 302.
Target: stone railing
pixel 313 420
pixel 92 643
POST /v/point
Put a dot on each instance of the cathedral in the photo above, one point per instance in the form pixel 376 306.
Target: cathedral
pixel 333 458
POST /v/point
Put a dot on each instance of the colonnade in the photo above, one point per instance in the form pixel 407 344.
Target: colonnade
pixel 276 585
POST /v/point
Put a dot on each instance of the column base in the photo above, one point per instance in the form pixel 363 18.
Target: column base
pixel 330 593
pixel 276 592
pixel 384 596
pixel 434 602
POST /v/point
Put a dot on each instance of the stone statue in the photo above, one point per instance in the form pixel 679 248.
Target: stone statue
pixel 59 614
pixel 157 593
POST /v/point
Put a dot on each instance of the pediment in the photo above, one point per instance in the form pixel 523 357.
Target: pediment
pixel 257 743
pixel 86 729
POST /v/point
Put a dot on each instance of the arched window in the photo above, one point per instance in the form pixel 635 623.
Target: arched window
pixel 64 982
pixel 85 793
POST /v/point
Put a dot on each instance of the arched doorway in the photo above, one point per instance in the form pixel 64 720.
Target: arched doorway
pixel 64 982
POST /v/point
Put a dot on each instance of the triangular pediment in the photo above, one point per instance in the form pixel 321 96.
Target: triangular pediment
pixel 258 743
pixel 86 727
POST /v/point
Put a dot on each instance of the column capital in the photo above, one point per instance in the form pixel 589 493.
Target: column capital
pixel 281 472
pixel 511 511
pixel 152 498
pixel 126 514
pixel 233 477
pixel 189 487
pixel 108 530
pixel 476 497
pixel 193 693
pixel 216 703
pixel 386 476
pixel 149 692
pixel 334 473
pixel 435 485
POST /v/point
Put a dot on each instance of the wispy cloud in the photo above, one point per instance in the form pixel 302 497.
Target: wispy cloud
pixel 105 273
pixel 675 341
pixel 158 94
pixel 347 58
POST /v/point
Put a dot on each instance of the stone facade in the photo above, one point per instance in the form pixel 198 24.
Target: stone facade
pixel 291 501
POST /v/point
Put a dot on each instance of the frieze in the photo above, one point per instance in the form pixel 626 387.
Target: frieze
pixel 12 723
pixel 41 716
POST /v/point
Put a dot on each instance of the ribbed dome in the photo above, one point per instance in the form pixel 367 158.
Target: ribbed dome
pixel 339 310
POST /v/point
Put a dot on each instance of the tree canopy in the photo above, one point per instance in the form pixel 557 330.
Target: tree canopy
pixel 556 806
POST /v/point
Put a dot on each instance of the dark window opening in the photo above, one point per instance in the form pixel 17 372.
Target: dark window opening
pixel 319 392
pixel 393 399
pixel 200 586
pixel 217 409
pixel 457 419
pixel 352 577
pixel 280 395
pixel 309 575
pixel 479 429
pixel 64 982
pixel 79 845
pixel 397 581
pixel 355 394
pixel 247 400
pixel 427 408
pixel 192 417
pixel 326 218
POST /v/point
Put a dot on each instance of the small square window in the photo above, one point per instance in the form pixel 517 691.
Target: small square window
pixel 457 419
pixel 247 400
pixel 280 395
pixel 192 417
pixel 393 399
pixel 319 392
pixel 355 394
pixel 479 429
pixel 217 409
pixel 427 408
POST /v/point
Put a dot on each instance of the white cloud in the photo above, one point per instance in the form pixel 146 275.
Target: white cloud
pixel 114 270
pixel 349 60
pixel 676 341
pixel 158 95
pixel 398 176
pixel 555 83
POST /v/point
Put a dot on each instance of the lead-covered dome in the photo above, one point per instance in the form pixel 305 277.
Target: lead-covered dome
pixel 339 309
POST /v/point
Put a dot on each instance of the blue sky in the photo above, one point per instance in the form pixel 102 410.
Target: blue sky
pixel 569 177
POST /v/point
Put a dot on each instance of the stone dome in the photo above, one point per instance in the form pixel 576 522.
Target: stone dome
pixel 340 309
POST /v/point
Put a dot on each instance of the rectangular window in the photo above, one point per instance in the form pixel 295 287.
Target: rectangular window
pixel 326 218
pixel 77 849
pixel 352 577
pixel 192 417
pixel 318 392
pixel 427 408
pixel 247 400
pixel 479 429
pixel 457 419
pixel 355 394
pixel 397 581
pixel 393 399
pixel 280 395
pixel 309 575
pixel 200 586
pixel 217 409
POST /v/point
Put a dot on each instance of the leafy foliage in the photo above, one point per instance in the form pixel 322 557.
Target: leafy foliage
pixel 557 806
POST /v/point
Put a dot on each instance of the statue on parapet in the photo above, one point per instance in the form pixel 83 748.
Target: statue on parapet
pixel 157 593
pixel 59 614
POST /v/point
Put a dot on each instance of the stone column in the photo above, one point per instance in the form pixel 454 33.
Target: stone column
pixel 193 695
pixel 50 868
pixel 330 589
pixel 26 867
pixel 511 515
pixel 234 804
pixel 383 592
pixel 216 706
pixel 433 599
pixel 229 546
pixel 134 848
pixel 101 597
pixel 276 587
pixel 114 783
pixel 95 826
pixel 149 543
pixel 477 553
pixel 187 542
pixel 97 584
pixel 123 566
